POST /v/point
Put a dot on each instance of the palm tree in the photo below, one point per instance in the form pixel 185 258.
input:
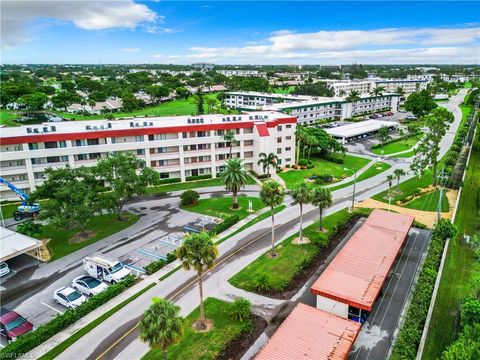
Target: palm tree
pixel 301 137
pixel 399 173
pixel 198 252
pixel 266 161
pixel 230 138
pixel 322 197
pixel 161 325
pixel 353 97
pixel 234 177
pixel 400 91
pixel 272 194
pixel 302 194
pixel 312 142
pixel 390 179
pixel 378 91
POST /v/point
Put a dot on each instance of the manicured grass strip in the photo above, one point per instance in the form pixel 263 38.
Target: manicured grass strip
pixel 170 273
pixel 280 271
pixel 397 146
pixel 221 207
pixel 324 167
pixel 371 172
pixel 205 345
pixel 429 202
pixel 190 185
pixel 57 350
pixel 7 117
pixel 404 155
pixel 460 268
pixel 252 222
pixel 101 225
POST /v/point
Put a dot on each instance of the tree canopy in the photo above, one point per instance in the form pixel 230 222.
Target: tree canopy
pixel 420 103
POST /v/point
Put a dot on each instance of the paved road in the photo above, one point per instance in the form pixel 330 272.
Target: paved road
pixel 245 247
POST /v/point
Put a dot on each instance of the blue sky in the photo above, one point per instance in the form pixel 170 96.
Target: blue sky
pixel 294 32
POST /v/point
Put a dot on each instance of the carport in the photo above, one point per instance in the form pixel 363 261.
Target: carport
pixel 13 244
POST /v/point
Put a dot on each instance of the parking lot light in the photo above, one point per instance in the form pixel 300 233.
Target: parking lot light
pixel 354 183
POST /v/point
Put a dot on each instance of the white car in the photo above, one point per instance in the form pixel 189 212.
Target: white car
pixel 88 285
pixel 68 297
pixel 4 269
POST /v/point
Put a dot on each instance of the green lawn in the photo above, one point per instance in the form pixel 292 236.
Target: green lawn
pixel 281 270
pixel 461 270
pixel 404 155
pixel 283 91
pixel 295 177
pixel 206 345
pixel 429 202
pixel 9 207
pixel 7 117
pixel 397 146
pixel 374 170
pixel 190 185
pixel 101 225
pixel 221 207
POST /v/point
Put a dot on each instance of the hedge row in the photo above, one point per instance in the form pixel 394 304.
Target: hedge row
pixel 225 224
pixel 169 181
pixel 378 146
pixel 411 332
pixel 199 177
pixel 259 176
pixel 156 265
pixel 29 341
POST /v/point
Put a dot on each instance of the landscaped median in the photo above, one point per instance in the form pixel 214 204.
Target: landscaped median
pixel 29 341
pixel 397 145
pixel 221 207
pixel 282 275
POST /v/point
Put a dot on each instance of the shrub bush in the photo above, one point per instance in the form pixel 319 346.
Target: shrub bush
pixel 225 224
pixel 154 266
pixel 261 282
pixel 323 178
pixel 29 341
pixel 240 309
pixel 189 197
pixel 335 159
pixel 310 166
pixel 169 181
pixel 302 162
pixel 287 166
pixel 198 177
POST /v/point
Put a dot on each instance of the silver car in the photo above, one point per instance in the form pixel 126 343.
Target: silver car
pixel 69 297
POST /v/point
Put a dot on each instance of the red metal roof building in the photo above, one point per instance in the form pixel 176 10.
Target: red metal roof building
pixel 353 280
pixel 310 333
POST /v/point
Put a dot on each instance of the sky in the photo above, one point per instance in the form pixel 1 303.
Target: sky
pixel 234 32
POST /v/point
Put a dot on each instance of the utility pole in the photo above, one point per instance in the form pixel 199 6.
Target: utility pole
pixel 440 198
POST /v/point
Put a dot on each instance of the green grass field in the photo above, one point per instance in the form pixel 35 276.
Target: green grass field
pixel 461 272
pixel 281 270
pixel 295 177
pixel 221 207
pixel 190 185
pixel 7 117
pixel 374 170
pixel 397 146
pixel 284 91
pixel 404 155
pixel 101 225
pixel 206 345
pixel 429 202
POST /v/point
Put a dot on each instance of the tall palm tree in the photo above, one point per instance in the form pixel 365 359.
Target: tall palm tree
pixel 161 326
pixel 400 91
pixel 398 174
pixel 390 180
pixel 198 252
pixel 302 194
pixel 230 138
pixel 378 91
pixel 301 137
pixel 353 97
pixel 234 177
pixel 267 161
pixel 322 197
pixel 312 142
pixel 272 194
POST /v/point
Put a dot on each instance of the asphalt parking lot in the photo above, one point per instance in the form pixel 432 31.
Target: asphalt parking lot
pixel 375 336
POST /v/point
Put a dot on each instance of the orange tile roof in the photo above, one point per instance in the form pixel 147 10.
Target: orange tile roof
pixel 356 275
pixel 311 333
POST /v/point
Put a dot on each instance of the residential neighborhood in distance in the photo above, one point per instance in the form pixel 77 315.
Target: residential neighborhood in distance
pixel 240 180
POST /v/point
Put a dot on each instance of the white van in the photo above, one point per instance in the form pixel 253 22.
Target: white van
pixel 105 268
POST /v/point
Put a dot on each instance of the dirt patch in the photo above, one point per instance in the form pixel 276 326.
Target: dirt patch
pixel 300 280
pixel 273 255
pixel 81 236
pixel 42 253
pixel 238 347
pixel 204 326
pixel 297 241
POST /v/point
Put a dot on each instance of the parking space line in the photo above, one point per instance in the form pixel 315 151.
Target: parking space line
pixel 51 307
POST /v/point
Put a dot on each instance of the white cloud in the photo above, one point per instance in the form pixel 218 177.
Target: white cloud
pixel 16 16
pixel 440 45
pixel 131 50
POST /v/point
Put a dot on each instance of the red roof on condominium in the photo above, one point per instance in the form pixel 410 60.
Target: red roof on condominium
pixel 311 333
pixel 262 129
pixel 356 275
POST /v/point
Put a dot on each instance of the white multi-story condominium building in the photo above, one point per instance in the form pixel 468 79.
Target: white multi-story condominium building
pixel 176 147
pixel 310 109
pixel 253 99
pixel 408 86
pixel 426 76
pixel 238 72
pixel 344 88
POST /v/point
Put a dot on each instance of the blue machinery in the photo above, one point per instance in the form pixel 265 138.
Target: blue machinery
pixel 25 209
